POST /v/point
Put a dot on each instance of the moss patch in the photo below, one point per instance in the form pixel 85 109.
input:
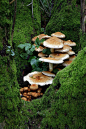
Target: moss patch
pixel 64 108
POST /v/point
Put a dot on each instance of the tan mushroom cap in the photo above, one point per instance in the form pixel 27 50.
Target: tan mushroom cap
pixel 22 89
pixel 39 90
pixel 66 63
pixel 39 49
pixel 70 52
pixel 34 87
pixel 48 73
pixel 72 57
pixel 24 98
pixel 25 88
pixel 41 36
pixel 58 34
pixel 51 60
pixel 38 78
pixel 65 48
pixel 34 94
pixel 41 54
pixel 70 43
pixel 53 42
pixel 59 56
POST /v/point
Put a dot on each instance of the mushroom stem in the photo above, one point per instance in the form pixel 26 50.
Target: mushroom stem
pixel 52 50
pixel 50 67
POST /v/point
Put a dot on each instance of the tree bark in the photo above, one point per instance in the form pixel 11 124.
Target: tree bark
pixel 83 15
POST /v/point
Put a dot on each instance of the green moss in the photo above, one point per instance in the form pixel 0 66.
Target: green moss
pixel 66 19
pixel 63 108
pixel 26 27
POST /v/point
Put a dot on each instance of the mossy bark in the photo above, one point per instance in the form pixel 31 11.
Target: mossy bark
pixel 65 17
pixel 63 108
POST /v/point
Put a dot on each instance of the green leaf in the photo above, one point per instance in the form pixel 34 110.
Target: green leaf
pixel 46 51
pixel 27 47
pixel 31 57
pixel 34 62
pixel 21 46
pixel 32 48
pixel 41 41
pixel 24 55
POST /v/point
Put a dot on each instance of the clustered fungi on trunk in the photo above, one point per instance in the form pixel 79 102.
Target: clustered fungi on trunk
pixel 61 55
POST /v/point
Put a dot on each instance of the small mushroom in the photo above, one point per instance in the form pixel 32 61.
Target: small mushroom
pixel 25 88
pixel 51 61
pixel 21 90
pixel 69 42
pixel 24 98
pixel 58 34
pixel 34 87
pixel 39 90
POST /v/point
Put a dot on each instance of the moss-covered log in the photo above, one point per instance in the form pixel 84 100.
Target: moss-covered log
pixel 64 108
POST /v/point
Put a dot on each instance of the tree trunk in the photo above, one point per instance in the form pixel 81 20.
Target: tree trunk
pixel 83 15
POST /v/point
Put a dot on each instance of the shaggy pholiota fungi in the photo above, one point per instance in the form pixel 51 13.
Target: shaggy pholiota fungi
pixel 61 56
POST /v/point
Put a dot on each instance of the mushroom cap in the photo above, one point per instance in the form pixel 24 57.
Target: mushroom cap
pixel 25 88
pixel 39 90
pixel 41 36
pixel 70 52
pixel 72 57
pixel 39 49
pixel 70 43
pixel 67 62
pixel 51 60
pixel 34 87
pixel 65 48
pixel 58 34
pixel 38 78
pixel 59 56
pixel 22 89
pixel 48 73
pixel 53 42
pixel 24 98
pixel 34 94
pixel 41 54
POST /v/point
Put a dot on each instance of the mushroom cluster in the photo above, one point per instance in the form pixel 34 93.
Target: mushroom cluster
pixel 30 92
pixel 35 79
pixel 61 53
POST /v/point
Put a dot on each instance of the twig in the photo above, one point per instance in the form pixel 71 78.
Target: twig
pixel 32 7
pixel 29 4
pixel 11 1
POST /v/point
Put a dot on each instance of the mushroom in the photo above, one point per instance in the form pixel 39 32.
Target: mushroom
pixel 34 87
pixel 41 36
pixel 39 49
pixel 38 78
pixel 59 56
pixel 24 98
pixel 53 43
pixel 70 43
pixel 67 62
pixel 65 48
pixel 72 57
pixel 58 34
pixel 25 88
pixel 70 52
pixel 39 90
pixel 48 73
pixel 51 61
pixel 41 54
